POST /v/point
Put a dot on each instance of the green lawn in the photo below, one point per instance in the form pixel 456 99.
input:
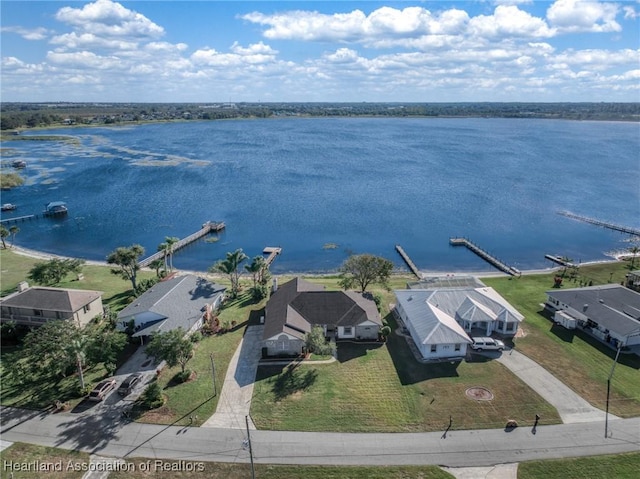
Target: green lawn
pixel 619 466
pixel 26 453
pixel 575 358
pixel 382 388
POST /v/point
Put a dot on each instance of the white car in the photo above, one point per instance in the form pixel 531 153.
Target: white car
pixel 487 344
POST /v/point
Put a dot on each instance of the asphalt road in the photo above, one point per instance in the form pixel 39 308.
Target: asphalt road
pixel 106 436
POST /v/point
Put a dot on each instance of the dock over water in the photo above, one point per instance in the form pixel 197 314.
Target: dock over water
pixel 272 252
pixel 414 269
pixel 489 258
pixel 208 227
pixel 604 224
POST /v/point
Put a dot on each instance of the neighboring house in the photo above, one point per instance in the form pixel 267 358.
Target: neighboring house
pixel 632 280
pixel 609 312
pixel 298 305
pixel 33 306
pixel 180 302
pixel 441 320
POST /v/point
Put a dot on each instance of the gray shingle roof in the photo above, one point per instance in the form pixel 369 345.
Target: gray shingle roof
pixel 612 306
pixel 298 305
pixel 176 303
pixel 52 299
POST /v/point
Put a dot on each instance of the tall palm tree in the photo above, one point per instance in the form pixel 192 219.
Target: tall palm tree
pixel 170 241
pixel 4 232
pixel 229 266
pixel 14 230
pixel 634 250
pixel 164 247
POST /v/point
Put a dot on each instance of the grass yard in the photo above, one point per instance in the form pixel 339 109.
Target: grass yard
pixel 577 359
pixel 619 466
pixel 27 453
pixel 195 397
pixel 381 388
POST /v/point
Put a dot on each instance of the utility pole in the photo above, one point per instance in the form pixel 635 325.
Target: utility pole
pixel 606 415
pixel 253 472
pixel 213 375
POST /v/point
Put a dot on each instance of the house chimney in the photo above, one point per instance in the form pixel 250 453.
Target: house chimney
pixel 275 285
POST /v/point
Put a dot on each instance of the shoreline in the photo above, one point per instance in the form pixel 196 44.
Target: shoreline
pixel 30 253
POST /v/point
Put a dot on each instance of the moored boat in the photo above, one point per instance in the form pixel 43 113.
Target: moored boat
pixel 8 207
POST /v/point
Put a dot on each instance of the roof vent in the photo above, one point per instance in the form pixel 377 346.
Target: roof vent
pixel 585 306
pixel 601 301
pixel 23 286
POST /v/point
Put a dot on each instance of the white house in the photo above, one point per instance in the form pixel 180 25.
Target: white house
pixel 441 320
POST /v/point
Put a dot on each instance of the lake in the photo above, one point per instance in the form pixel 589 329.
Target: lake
pixel 322 188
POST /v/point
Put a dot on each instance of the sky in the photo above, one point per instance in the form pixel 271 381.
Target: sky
pixel 331 51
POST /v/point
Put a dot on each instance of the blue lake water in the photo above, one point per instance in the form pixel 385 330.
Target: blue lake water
pixel 364 184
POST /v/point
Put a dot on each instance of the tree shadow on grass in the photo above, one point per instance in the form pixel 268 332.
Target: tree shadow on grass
pixel 287 380
pixel 348 350
pixel 411 371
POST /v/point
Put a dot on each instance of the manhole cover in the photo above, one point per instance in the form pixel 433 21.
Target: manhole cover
pixel 479 394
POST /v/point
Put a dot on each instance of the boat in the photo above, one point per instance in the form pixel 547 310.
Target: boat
pixel 55 208
pixel 8 207
pixel 19 164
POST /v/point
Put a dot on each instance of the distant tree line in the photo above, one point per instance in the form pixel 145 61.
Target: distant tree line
pixel 29 115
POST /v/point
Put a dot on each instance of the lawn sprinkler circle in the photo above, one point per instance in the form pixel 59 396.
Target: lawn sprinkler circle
pixel 479 393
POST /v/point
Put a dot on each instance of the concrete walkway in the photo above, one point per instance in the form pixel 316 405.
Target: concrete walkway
pixel 235 397
pixel 499 471
pixel 571 407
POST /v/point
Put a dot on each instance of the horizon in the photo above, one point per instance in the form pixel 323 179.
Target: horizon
pixel 499 51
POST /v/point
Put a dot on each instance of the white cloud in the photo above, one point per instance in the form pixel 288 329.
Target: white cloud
pixel 27 33
pixel 254 49
pixel 89 40
pixel 108 18
pixel 254 54
pixel 84 60
pixel 510 21
pixel 584 16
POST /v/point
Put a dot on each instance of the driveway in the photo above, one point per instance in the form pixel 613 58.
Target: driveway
pixel 571 407
pixel 235 397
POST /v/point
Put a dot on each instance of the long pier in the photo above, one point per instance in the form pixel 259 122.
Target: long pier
pixel 489 258
pixel 414 269
pixel 272 251
pixel 559 260
pixel 208 227
pixel 19 218
pixel 604 224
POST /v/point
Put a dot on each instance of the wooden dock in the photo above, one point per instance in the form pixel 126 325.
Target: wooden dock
pixel 604 224
pixel 272 252
pixel 489 258
pixel 207 228
pixel 559 260
pixel 414 269
pixel 18 218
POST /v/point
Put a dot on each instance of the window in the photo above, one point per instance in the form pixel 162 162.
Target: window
pixel 347 330
pixel 37 312
pixel 87 308
pixel 434 348
pixel 458 347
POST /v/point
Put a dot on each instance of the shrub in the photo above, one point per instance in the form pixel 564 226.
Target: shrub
pixel 196 337
pixel 183 376
pixel 152 396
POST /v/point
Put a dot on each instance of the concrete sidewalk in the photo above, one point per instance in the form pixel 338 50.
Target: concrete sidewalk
pixel 235 397
pixel 571 407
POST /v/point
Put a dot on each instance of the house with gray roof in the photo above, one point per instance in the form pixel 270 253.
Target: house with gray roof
pixel 609 312
pixel 180 302
pixel 34 306
pixel 441 321
pixel 298 305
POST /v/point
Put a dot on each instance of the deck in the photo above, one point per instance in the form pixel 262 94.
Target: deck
pixel 272 252
pixel 207 228
pixel 488 257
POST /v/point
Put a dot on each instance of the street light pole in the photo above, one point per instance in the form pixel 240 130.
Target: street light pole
pixel 253 471
pixel 213 375
pixel 606 415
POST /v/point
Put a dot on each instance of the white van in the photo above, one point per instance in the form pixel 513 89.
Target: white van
pixel 488 344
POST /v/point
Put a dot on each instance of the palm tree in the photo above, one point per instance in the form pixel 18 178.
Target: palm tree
pixel 170 241
pixel 634 251
pixel 229 266
pixel 164 247
pixel 14 230
pixel 156 264
pixel 255 268
pixel 4 232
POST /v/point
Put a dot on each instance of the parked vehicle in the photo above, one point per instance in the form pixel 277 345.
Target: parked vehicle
pixel 102 390
pixel 129 384
pixel 488 344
